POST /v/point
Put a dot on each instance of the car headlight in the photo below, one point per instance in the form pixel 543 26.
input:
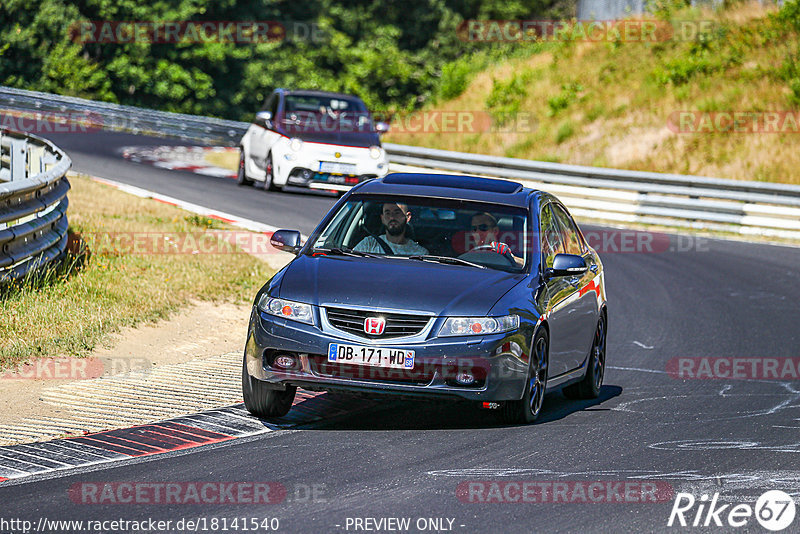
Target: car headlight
pixel 375 152
pixel 478 326
pixel 295 311
pixel 296 144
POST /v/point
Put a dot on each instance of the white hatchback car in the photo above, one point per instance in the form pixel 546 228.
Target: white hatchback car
pixel 312 139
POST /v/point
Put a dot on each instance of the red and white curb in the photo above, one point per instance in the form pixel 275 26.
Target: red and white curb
pixel 247 224
pixel 180 158
pixel 180 433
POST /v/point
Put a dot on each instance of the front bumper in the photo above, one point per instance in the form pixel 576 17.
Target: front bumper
pixel 300 177
pixel 499 362
pixel 304 168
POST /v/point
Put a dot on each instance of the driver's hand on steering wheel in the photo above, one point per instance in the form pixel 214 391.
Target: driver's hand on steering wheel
pixel 500 248
pixel 504 250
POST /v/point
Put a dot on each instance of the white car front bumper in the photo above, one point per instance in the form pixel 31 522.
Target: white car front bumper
pixel 326 166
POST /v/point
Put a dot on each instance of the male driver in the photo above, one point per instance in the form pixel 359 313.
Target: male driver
pixel 395 217
pixel 484 230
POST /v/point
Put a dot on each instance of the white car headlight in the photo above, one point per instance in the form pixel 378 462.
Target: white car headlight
pixel 296 144
pixel 295 311
pixel 375 152
pixel 478 326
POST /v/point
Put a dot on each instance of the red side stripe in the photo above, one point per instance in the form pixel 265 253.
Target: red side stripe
pixel 590 287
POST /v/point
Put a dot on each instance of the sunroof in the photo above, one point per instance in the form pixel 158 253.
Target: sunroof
pixel 461 182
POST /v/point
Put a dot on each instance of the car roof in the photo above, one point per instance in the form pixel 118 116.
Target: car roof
pixel 474 188
pixel 314 92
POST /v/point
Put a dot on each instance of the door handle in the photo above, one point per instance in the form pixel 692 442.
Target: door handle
pixel 593 268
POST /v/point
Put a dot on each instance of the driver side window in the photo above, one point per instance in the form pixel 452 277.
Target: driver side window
pixel 270 103
pixel 550 236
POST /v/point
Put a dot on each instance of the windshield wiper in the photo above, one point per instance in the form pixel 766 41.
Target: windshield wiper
pixel 446 259
pixel 345 251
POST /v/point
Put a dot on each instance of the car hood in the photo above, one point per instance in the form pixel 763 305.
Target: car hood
pixel 363 139
pixel 395 284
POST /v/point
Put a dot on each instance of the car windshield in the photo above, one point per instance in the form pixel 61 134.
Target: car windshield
pixel 326 113
pixel 451 232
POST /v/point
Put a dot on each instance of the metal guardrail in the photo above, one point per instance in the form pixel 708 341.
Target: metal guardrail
pixel 33 204
pixel 753 208
pixel 115 117
pixel 750 208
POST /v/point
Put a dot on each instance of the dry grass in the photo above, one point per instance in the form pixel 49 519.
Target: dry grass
pixel 618 99
pixel 72 312
pixel 226 160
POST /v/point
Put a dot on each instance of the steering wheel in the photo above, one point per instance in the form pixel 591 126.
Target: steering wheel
pixel 491 248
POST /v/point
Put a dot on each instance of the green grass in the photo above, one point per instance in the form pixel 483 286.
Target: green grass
pixel 611 102
pixel 565 131
pixel 68 311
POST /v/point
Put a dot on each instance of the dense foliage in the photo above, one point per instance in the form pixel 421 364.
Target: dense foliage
pixel 396 54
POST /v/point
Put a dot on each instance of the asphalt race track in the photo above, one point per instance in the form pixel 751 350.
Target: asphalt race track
pixel 98 154
pixel 414 459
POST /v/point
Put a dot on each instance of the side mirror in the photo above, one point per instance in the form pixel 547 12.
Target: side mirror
pixel 566 265
pixel 381 127
pixel 286 240
pixel 264 118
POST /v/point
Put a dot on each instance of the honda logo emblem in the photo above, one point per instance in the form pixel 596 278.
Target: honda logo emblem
pixel 374 325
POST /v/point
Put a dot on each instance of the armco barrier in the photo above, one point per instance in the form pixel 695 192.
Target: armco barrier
pixel 33 203
pixel 750 208
pixel 116 117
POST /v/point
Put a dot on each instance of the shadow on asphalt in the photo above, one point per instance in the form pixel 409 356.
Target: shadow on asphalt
pixel 389 413
pixel 557 406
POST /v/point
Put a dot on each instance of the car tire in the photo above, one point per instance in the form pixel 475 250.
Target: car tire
pixel 269 175
pixel 241 174
pixel 262 401
pixel 589 387
pixel 527 410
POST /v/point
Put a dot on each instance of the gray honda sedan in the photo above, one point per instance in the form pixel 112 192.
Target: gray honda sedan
pixel 437 286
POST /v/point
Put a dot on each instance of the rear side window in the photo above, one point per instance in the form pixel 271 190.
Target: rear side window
pixel 550 237
pixel 569 232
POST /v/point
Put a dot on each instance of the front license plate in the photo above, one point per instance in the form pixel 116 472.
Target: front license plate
pixel 334 166
pixel 373 356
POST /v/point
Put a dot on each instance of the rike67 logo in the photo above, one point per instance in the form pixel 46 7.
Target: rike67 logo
pixel 774 510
